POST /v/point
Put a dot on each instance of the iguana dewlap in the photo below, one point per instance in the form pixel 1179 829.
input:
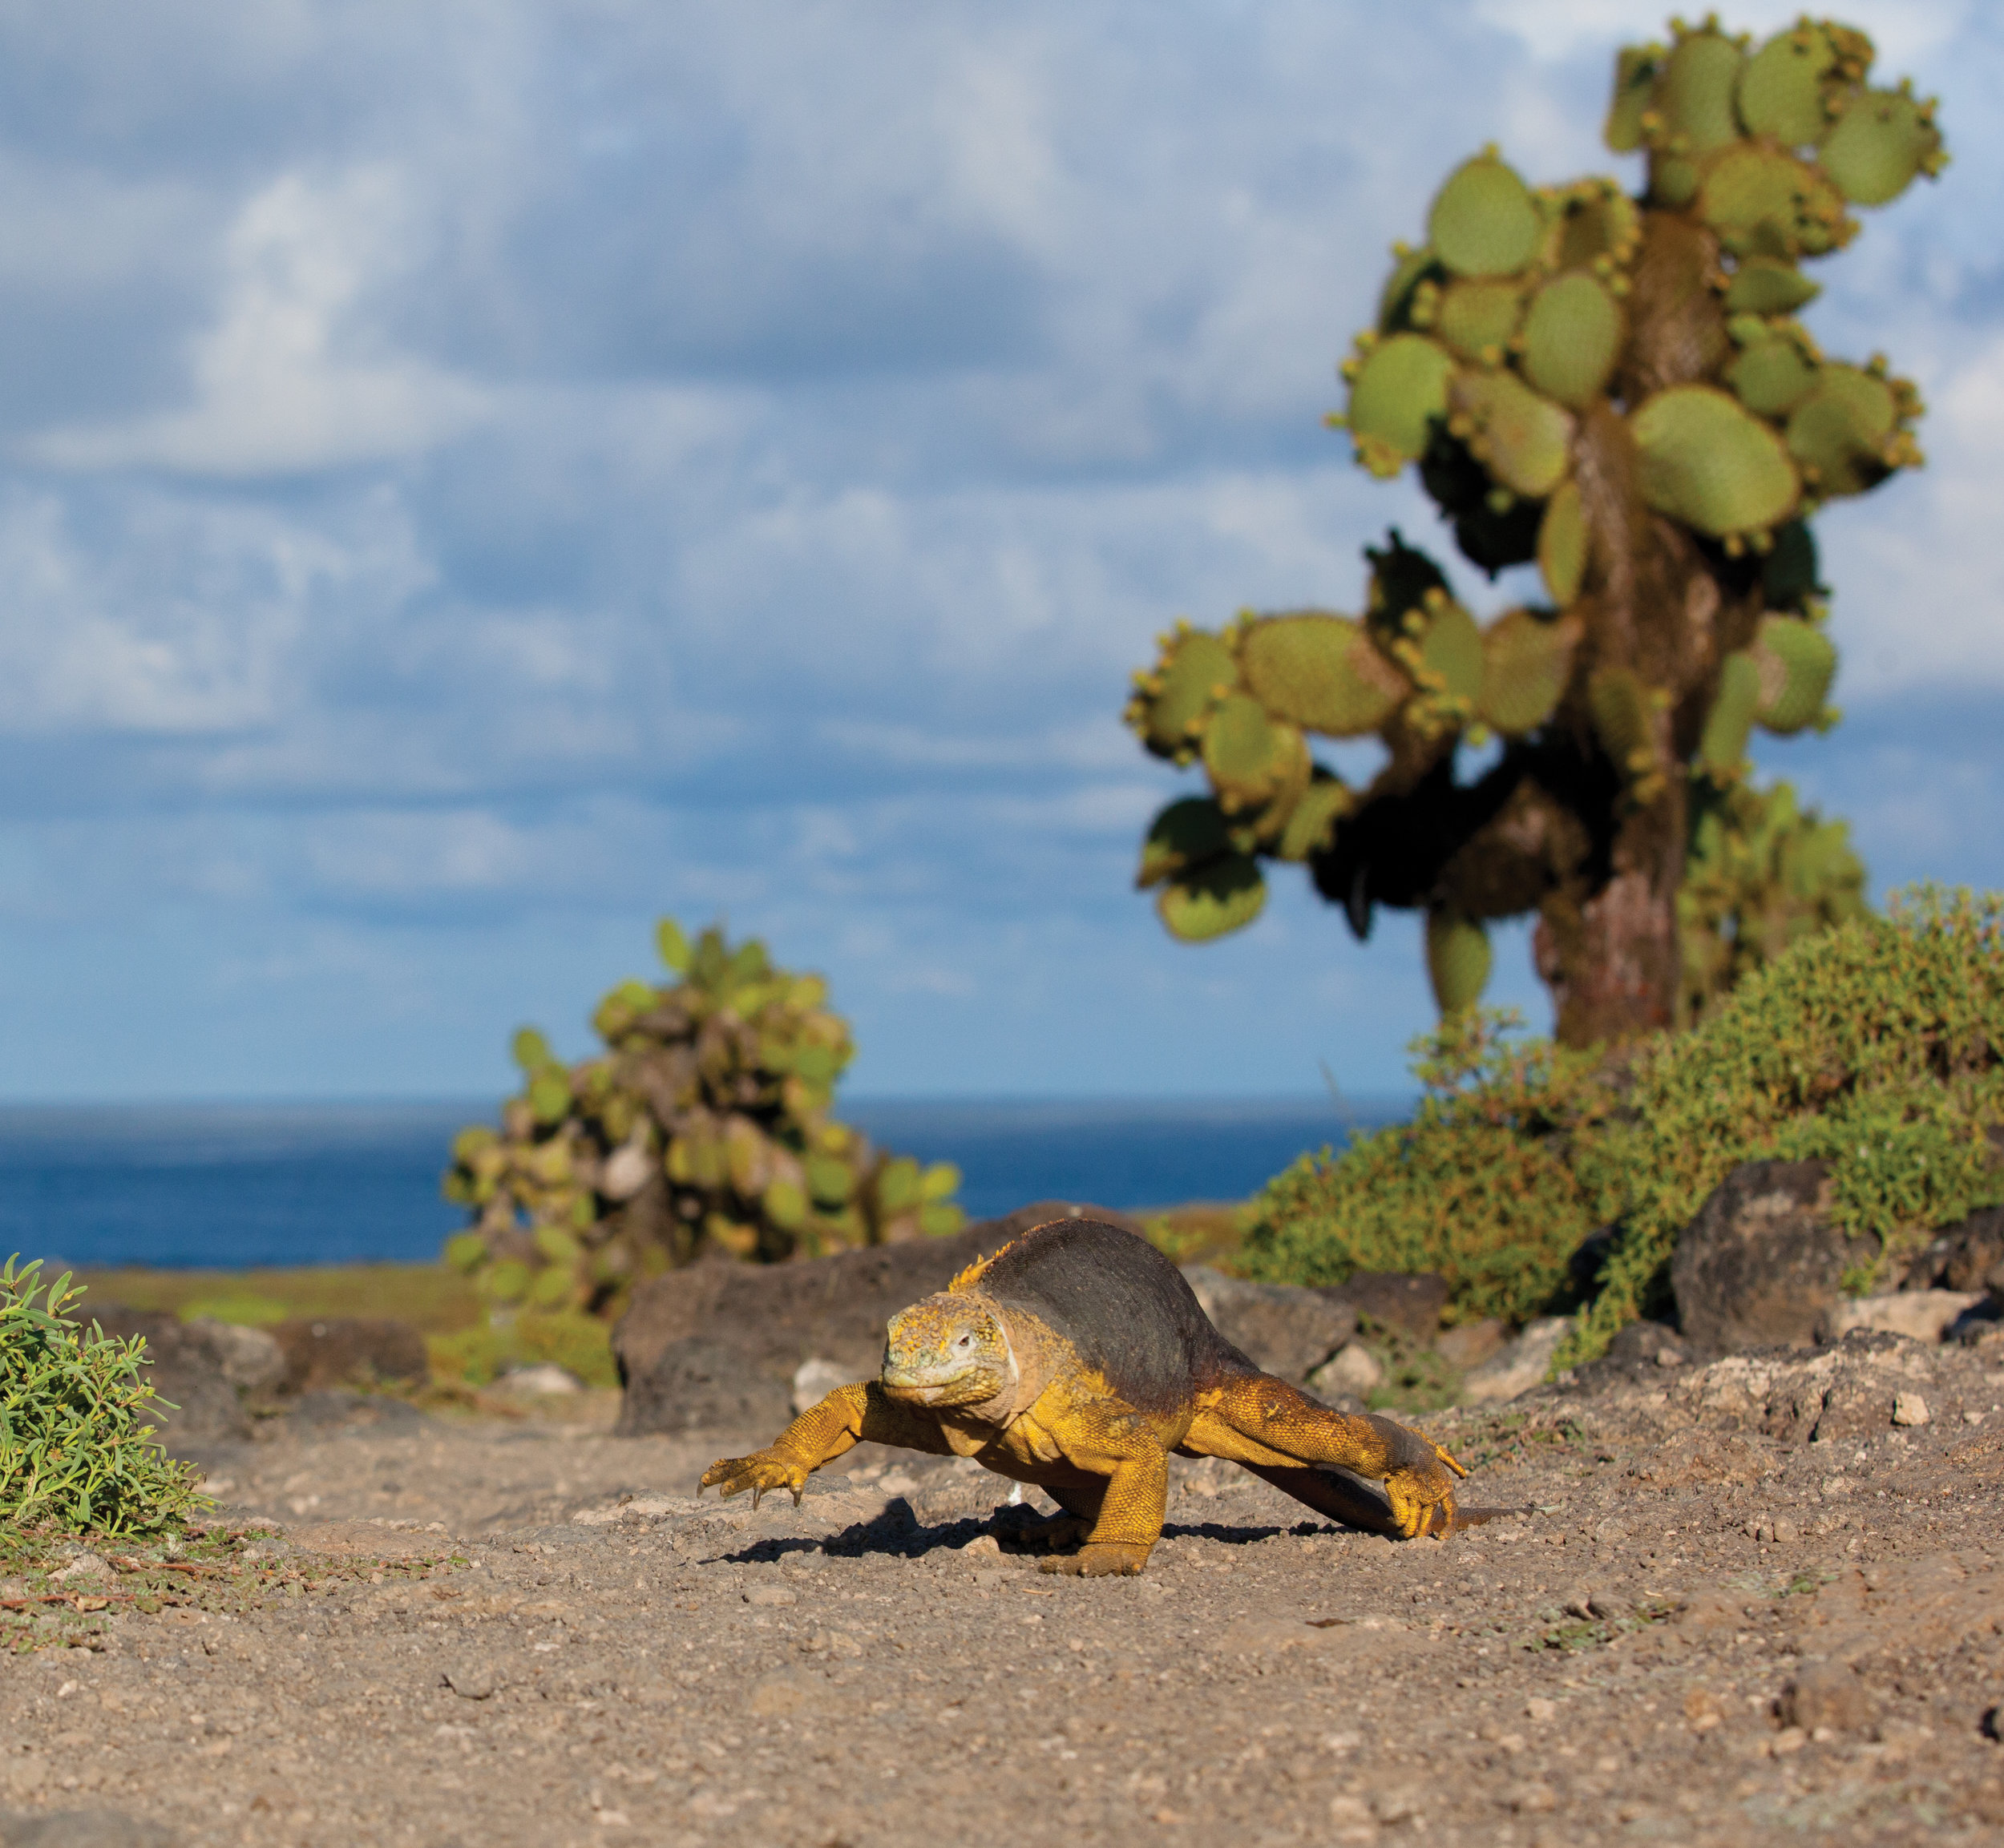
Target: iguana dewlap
pixel 1078 1359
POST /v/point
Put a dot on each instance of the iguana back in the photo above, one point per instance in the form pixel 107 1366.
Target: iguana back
pixel 1126 1310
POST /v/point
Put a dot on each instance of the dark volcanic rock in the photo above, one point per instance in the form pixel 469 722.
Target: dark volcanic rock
pixel 351 1350
pixel 1761 1265
pixel 717 1344
pixel 1408 1303
pixel 197 1404
pixel 1286 1330
pixel 1968 1255
pixel 1643 1352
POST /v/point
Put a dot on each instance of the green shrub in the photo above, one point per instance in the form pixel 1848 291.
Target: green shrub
pixel 74 1449
pixel 1876 1046
pixel 1478 1187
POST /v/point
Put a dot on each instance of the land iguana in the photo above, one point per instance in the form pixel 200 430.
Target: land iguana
pixel 1078 1359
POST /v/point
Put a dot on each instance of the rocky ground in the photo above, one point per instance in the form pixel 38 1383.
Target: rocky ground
pixel 1743 1600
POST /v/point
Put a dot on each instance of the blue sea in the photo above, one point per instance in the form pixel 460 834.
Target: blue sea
pixel 234 1185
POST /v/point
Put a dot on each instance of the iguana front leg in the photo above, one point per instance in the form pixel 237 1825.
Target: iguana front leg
pixel 1109 1440
pixel 849 1414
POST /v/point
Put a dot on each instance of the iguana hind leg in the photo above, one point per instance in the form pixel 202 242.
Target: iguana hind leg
pixel 1265 1423
pixel 849 1415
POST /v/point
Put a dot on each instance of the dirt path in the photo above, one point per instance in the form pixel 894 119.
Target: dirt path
pixel 881 1667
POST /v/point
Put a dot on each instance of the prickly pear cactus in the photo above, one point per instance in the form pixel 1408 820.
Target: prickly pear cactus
pixel 704 1125
pixel 1615 389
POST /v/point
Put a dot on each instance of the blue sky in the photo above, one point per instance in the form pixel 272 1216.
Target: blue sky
pixel 474 478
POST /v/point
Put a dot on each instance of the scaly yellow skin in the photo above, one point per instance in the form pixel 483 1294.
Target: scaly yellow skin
pixel 964 1377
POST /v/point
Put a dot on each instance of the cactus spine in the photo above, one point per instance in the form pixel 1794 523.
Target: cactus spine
pixel 1616 388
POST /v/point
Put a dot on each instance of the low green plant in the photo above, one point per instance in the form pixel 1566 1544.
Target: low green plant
pixel 579 1343
pixel 75 1449
pixel 1875 1046
pixel 244 1308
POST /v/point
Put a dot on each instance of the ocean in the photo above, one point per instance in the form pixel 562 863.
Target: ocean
pixel 236 1185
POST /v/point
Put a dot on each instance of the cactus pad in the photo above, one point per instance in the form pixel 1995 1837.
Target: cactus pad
pixel 1769 285
pixel 1708 462
pixel 1562 544
pixel 1400 387
pixel 1623 722
pixel 1722 747
pixel 1477 316
pixel 1311 823
pixel 1413 268
pixel 1521 437
pixel 1636 70
pixel 1788 88
pixel 1458 959
pixel 1572 338
pixel 1451 653
pixel 1764 202
pixel 1217 898
pixel 1695 93
pixel 1321 673
pixel 1795 662
pixel 1527 658
pixel 1185 834
pixel 1843 433
pixel 1594 225
pixel 1170 704
pixel 1880 144
pixel 1774 374
pixel 1250 756
pixel 1484 221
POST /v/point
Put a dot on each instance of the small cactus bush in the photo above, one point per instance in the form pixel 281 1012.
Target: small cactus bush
pixel 75 1451
pixel 1876 1046
pixel 704 1126
pixel 1615 389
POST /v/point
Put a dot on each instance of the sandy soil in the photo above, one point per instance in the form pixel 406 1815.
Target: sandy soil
pixel 1706 1627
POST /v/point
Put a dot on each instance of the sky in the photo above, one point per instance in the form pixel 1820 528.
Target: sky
pixel 476 477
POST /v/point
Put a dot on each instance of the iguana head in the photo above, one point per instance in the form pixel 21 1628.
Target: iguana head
pixel 948 1350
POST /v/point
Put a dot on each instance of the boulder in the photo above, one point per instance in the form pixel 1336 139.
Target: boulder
pixel 1762 1265
pixel 1470 1343
pixel 1351 1374
pixel 330 1351
pixel 1962 1256
pixel 1407 1303
pixel 1643 1353
pixel 1279 1328
pixel 197 1404
pixel 1519 1367
pixel 1918 1314
pixel 251 1358
pixel 718 1345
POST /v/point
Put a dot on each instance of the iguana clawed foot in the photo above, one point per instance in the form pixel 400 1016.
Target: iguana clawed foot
pixel 1098 1559
pixel 1421 1493
pixel 763 1469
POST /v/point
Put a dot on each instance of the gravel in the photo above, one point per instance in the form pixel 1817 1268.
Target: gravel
pixel 1704 1627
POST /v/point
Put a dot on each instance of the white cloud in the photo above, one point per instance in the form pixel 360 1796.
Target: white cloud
pixel 292 378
